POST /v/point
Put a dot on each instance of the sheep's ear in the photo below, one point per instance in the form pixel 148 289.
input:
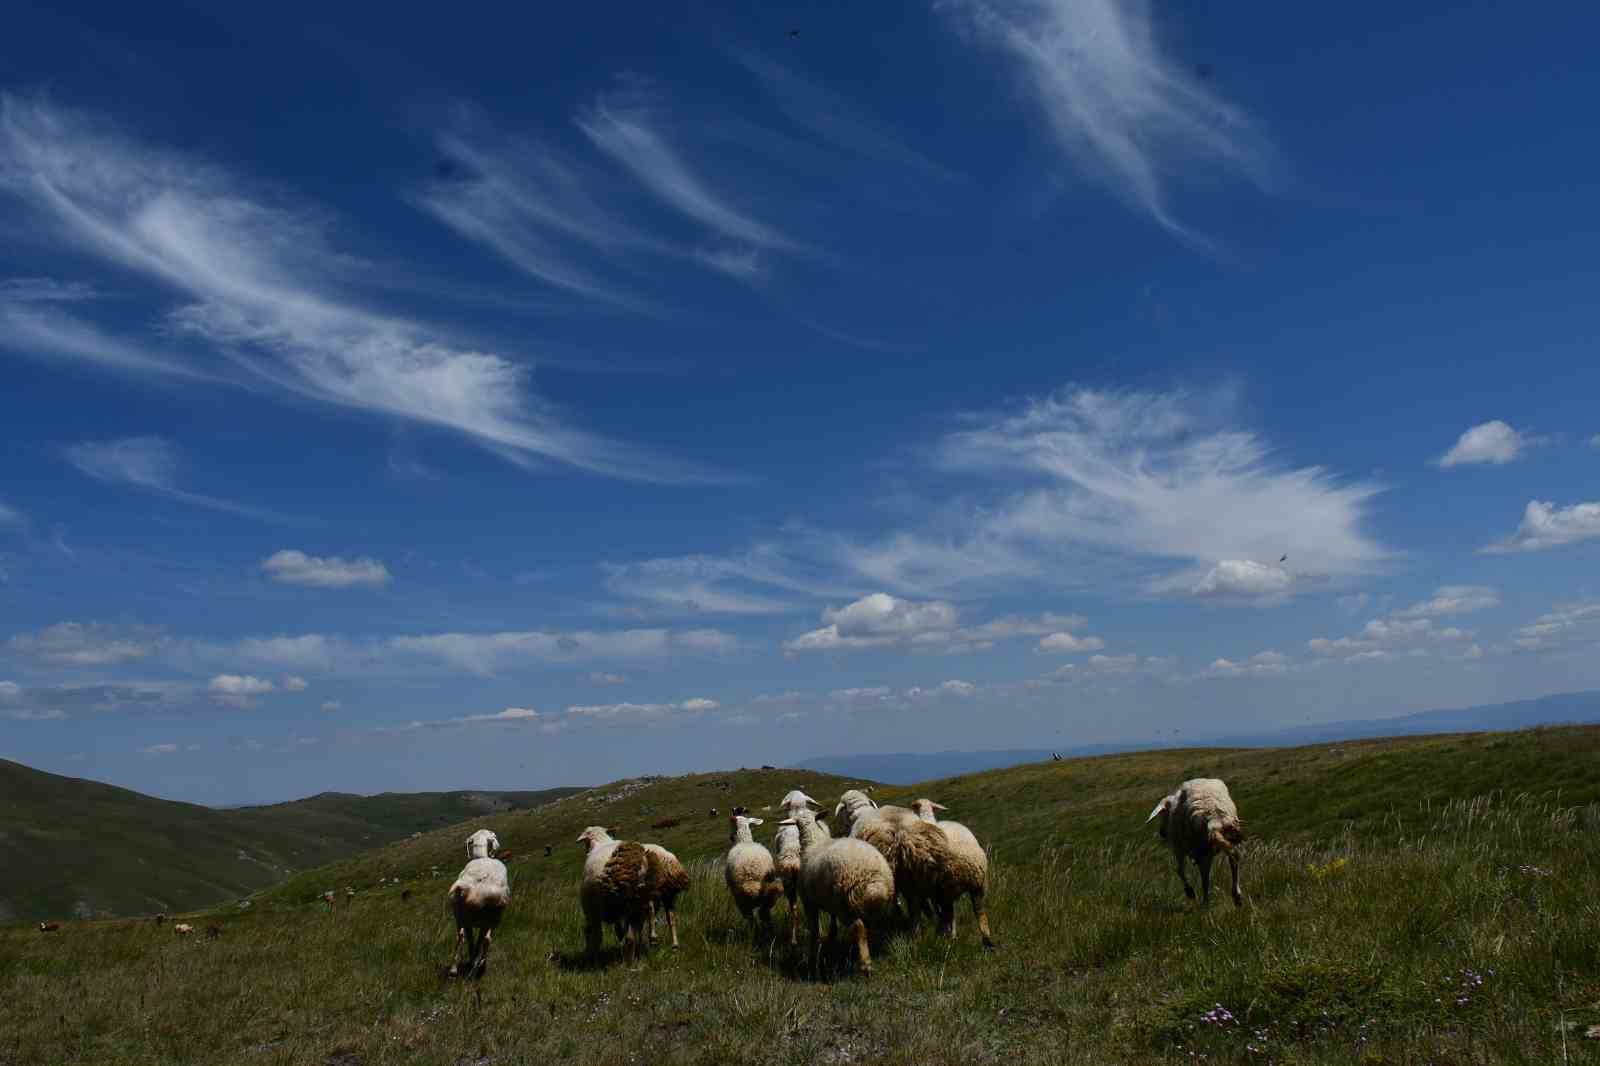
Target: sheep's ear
pixel 810 802
pixel 758 821
pixel 939 807
pixel 788 821
pixel 1160 807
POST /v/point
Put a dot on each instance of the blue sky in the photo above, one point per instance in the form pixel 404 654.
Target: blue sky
pixel 397 403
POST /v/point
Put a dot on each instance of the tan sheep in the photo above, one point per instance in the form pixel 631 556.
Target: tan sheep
pixel 972 871
pixel 1198 821
pixel 673 880
pixel 845 879
pixel 752 876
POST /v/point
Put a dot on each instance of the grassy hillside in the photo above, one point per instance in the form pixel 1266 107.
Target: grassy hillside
pixel 70 847
pixel 1428 899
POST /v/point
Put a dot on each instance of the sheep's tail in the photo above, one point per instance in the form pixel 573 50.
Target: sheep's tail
pixel 1227 836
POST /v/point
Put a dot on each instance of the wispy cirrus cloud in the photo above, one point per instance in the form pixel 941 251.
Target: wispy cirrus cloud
pixel 1118 104
pixel 835 119
pixel 254 275
pixel 1452 599
pixel 150 463
pixel 292 567
pixel 33 323
pixel 1545 525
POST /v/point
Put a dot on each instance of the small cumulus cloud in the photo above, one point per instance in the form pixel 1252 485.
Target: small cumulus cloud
pixel 292 567
pixel 1488 442
pixel 331 705
pixel 1245 580
pixel 238 690
pixel 1544 526
pixel 1066 644
pixel 294 683
pixel 158 749
pixel 601 678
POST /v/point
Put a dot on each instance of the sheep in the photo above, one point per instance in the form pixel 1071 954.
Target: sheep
pixel 972 871
pixel 847 880
pixel 1198 821
pixel 713 812
pixel 327 897
pixel 213 931
pixel 478 899
pixel 182 929
pixel 160 918
pixel 796 800
pixel 673 880
pixel 620 879
pixel 751 874
pixel 665 823
pixel 786 846
pixel 883 828
pixel 49 927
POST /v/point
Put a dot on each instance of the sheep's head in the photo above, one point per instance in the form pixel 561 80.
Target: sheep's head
pixel 925 809
pixel 797 799
pixel 593 837
pixel 1163 810
pixel 739 827
pixel 482 845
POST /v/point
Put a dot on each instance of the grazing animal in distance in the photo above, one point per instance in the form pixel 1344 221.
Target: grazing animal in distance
pixel 213 931
pixel 183 929
pixel 49 927
pixel 405 895
pixel 160 918
pixel 1198 821
pixel 478 899
pixel 664 823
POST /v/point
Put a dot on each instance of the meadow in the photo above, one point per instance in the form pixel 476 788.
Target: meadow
pixel 1411 900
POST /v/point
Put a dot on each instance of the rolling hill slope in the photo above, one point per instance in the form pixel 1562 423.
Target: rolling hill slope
pixel 1407 899
pixel 75 847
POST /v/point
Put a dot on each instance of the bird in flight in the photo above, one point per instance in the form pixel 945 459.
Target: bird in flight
pixel 794 33
pixel 1284 559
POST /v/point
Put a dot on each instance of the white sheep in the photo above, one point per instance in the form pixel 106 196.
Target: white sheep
pixel 845 879
pixel 1198 821
pixel 972 875
pixel 673 880
pixel 478 899
pixel 750 872
pixel 786 852
pixel 799 801
pixel 621 883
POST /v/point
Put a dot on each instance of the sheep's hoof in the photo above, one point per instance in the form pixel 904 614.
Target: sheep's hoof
pixel 989 945
pixel 1187 891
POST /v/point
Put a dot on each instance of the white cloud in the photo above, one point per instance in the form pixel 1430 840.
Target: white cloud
pixel 332 705
pixel 158 749
pixel 148 463
pixel 1567 624
pixel 1489 442
pixel 1340 646
pixel 1067 644
pixel 293 567
pixel 880 620
pixel 1452 599
pixel 1117 103
pixel 49 333
pixel 483 653
pixel 10 692
pixel 1594 441
pixel 600 678
pixel 10 516
pixel 238 690
pixel 91 644
pixel 628 135
pixel 643 711
pixel 1245 579
pixel 701 584
pixel 1544 525
pixel 1114 664
pixel 262 283
pixel 1095 476
pixel 1261 663
pixel 294 683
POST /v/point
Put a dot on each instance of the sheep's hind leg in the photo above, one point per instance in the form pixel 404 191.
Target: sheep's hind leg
pixel 814 920
pixel 858 931
pixel 982 915
pixel 1204 862
pixel 1188 889
pixel 482 962
pixel 1233 863
pixel 672 925
pixel 455 963
pixel 592 936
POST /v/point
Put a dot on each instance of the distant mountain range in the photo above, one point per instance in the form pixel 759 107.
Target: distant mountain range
pixel 904 768
pixel 76 848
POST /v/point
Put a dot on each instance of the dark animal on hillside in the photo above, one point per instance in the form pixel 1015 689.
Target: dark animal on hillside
pixel 212 932
pixel 547 851
pixel 49 927
pixel 405 894
pixel 158 919
pixel 713 812
pixel 664 823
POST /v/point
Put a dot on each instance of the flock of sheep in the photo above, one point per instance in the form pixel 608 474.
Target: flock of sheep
pixel 889 857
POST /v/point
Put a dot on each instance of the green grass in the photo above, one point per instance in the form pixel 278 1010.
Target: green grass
pixel 79 848
pixel 1462 921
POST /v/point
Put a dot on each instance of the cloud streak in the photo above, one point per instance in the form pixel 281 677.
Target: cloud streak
pixel 1545 526
pixel 1118 105
pixel 152 464
pixel 291 567
pixel 253 275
